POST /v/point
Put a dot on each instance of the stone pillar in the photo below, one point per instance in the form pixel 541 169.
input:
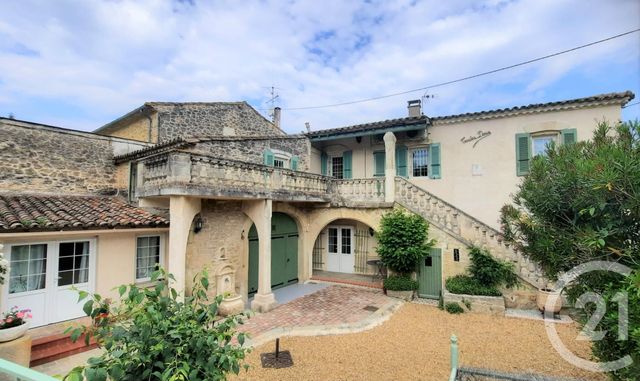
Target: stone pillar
pixel 260 212
pixel 182 210
pixel 389 167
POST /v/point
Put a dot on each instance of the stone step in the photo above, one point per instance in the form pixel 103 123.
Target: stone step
pixel 57 346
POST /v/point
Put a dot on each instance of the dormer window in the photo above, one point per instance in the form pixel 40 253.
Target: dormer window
pixel 279 162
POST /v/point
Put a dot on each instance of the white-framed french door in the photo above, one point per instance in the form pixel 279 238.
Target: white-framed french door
pixel 340 257
pixel 42 275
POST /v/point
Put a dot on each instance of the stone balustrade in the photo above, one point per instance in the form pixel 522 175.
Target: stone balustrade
pixel 464 227
pixel 358 190
pixel 181 173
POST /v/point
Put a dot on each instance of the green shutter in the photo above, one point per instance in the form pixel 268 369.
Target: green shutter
pixel 401 161
pixel 294 163
pixel 323 163
pixel 569 136
pixel 523 154
pixel 434 161
pixel 346 165
pixel 268 157
pixel 378 163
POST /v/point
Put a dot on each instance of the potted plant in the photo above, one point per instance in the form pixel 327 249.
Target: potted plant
pixel 14 324
pixel 399 286
pixel 541 300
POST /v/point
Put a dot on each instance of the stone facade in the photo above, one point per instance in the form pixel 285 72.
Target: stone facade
pixel 50 159
pixel 252 150
pixel 219 241
pixel 211 119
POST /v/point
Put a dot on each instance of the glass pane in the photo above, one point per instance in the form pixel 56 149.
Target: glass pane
pixel 65 263
pixel 19 253
pixel 38 251
pixel 66 249
pixel 19 268
pixel 81 276
pixel 154 241
pixel 82 248
pixel 336 167
pixel 540 144
pixel 143 252
pixel 141 273
pixel 333 240
pixel 420 163
pixel 38 266
pixel 346 241
pixel 82 262
pixel 143 241
pixel 65 278
pixel 36 282
pixel 17 284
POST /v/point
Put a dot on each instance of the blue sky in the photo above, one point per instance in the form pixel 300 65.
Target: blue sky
pixel 80 64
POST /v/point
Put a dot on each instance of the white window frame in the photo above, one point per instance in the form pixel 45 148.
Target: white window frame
pixel 421 148
pixel 330 164
pixel 554 135
pixel 135 256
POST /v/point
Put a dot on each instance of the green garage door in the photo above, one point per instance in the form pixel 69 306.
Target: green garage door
pixel 430 275
pixel 284 253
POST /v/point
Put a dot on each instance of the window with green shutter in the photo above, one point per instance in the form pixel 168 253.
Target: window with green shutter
pixel 569 136
pixel 434 161
pixel 378 163
pixel 346 165
pixel 268 157
pixel 523 153
pixel 323 163
pixel 401 161
pixel 294 163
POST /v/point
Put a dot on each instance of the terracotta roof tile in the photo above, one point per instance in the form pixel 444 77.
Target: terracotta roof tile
pixel 23 212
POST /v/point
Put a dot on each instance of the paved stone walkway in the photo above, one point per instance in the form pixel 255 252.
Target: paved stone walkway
pixel 331 307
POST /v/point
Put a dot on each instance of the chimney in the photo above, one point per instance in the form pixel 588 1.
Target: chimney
pixel 276 116
pixel 415 107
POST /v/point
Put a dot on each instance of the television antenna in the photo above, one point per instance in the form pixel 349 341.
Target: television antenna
pixel 272 100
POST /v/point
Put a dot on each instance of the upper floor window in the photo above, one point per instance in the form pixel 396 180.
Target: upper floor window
pixel 420 162
pixel 337 168
pixel 540 143
pixel 279 162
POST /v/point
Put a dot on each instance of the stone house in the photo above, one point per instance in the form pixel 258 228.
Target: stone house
pixel 215 185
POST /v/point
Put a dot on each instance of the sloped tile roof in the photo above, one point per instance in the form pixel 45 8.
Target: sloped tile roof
pixel 411 120
pixel 22 212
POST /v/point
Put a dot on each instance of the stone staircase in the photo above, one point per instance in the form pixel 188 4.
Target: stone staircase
pixel 465 228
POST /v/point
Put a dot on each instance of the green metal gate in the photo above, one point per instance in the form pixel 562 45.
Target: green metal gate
pixel 284 253
pixel 430 275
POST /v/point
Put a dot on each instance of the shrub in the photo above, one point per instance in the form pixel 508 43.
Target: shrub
pixel 464 284
pixel 453 308
pixel 153 334
pixel 402 241
pixel 400 283
pixel 489 271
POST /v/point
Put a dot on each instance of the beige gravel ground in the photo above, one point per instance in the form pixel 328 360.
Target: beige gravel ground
pixel 414 345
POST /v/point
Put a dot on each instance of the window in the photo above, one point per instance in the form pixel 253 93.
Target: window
pixel 73 263
pixel 278 163
pixel 147 256
pixel 420 162
pixel 540 143
pixel 333 240
pixel 337 168
pixel 27 268
pixel 346 241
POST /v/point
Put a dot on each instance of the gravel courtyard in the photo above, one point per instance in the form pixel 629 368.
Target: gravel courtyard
pixel 414 345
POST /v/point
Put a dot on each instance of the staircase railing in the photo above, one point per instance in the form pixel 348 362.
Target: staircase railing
pixel 8 368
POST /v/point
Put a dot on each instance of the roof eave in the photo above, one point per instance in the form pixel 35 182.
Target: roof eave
pixel 142 110
pixel 317 137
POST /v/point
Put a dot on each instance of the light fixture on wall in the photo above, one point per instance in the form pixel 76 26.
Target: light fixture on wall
pixel 242 234
pixel 371 232
pixel 358 139
pixel 197 225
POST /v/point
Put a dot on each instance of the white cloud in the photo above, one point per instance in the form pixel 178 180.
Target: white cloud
pixel 105 58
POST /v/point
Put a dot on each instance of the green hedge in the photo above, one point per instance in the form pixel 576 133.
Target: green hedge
pixel 453 308
pixel 400 283
pixel 464 284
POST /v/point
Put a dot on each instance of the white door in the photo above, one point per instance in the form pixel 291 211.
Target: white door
pixel 340 249
pixel 72 270
pixel 42 275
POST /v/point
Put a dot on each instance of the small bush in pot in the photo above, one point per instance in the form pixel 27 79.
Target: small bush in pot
pixel 14 318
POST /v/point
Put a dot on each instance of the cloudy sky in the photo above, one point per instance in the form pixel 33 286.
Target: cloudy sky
pixel 80 64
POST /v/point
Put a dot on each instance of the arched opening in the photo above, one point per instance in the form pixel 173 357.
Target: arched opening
pixel 345 246
pixel 284 253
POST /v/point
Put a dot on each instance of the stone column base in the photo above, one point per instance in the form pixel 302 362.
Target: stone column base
pixel 17 351
pixel 263 302
pixel 231 306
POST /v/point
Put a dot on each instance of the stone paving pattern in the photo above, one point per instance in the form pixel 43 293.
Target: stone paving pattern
pixel 330 306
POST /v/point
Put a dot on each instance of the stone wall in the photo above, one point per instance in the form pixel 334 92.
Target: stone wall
pixel 219 241
pixel 48 159
pixel 138 129
pixel 211 119
pixel 479 304
pixel 252 150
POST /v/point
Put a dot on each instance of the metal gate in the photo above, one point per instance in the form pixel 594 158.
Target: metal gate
pixel 362 244
pixel 318 250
